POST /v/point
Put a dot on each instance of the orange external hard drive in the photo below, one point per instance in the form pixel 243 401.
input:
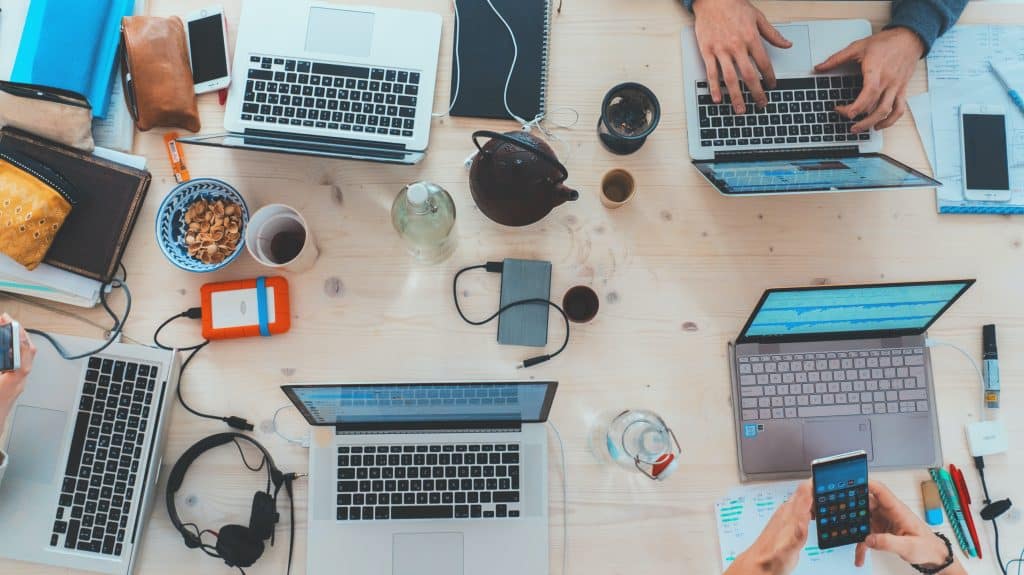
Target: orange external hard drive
pixel 246 308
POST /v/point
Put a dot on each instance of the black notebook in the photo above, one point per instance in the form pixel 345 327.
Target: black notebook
pixel 485 55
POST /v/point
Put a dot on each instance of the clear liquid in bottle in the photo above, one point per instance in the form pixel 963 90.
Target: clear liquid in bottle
pixel 423 214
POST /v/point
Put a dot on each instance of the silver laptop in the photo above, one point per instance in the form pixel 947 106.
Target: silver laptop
pixel 823 370
pixel 324 79
pixel 798 143
pixel 85 444
pixel 427 479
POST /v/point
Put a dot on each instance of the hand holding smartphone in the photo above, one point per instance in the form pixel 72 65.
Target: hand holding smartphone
pixel 841 511
pixel 10 347
pixel 208 49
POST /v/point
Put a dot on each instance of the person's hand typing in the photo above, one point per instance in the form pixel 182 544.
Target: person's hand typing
pixel 777 550
pixel 13 382
pixel 729 35
pixel 897 529
pixel 887 61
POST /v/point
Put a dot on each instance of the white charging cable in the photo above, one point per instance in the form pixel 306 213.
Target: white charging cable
pixel 273 423
pixel 929 342
pixel 565 500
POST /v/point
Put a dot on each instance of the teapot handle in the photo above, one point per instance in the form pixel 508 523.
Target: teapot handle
pixel 525 145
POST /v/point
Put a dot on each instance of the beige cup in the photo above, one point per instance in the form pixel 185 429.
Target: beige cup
pixel 617 188
pixel 278 237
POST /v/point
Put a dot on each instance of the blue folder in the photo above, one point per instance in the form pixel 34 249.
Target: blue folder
pixel 72 44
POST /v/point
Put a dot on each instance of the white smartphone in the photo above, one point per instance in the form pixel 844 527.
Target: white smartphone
pixel 208 49
pixel 984 155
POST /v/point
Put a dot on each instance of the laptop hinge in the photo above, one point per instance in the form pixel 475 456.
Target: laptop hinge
pixel 307 138
pixel 787 154
pixel 428 427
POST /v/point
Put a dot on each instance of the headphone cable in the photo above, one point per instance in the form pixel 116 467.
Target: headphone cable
pixel 497 267
pixel 196 313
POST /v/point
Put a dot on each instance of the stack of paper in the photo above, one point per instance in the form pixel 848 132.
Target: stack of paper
pixel 958 74
pixel 52 283
pixel 745 511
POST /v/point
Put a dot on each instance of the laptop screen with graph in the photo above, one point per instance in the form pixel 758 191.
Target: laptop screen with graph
pixel 883 310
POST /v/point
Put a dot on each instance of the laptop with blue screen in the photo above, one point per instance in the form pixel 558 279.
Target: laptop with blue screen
pixel 830 369
pixel 427 478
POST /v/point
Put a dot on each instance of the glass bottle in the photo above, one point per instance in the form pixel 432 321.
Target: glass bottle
pixel 424 215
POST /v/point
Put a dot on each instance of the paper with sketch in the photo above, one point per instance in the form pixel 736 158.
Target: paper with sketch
pixel 744 512
pixel 963 53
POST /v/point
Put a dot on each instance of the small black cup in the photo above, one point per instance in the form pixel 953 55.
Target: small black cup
pixel 580 304
pixel 629 114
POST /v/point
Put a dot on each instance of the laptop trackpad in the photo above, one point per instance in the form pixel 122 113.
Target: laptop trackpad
pixel 341 32
pixel 36 438
pixel 795 60
pixel 427 554
pixel 831 437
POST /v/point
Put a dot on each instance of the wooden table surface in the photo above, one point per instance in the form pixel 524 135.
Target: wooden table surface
pixel 677 271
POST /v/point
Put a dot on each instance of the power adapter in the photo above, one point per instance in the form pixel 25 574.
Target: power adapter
pixel 987 438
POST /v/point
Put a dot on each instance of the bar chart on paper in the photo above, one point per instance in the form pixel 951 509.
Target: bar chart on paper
pixel 743 513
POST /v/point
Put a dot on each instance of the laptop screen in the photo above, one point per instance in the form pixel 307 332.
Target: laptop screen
pixel 411 403
pixel 782 176
pixel 850 311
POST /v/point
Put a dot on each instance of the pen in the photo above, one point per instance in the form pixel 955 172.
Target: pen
pixel 965 502
pixel 990 355
pixel 1004 80
pixel 956 514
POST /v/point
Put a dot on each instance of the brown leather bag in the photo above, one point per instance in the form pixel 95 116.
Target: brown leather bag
pixel 156 74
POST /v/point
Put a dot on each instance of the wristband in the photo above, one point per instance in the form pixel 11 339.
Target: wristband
pixel 946 563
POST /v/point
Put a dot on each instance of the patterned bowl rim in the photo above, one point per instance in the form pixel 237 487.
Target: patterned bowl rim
pixel 177 190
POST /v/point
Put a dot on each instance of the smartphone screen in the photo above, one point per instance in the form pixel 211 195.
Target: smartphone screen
pixel 206 45
pixel 7 347
pixel 841 499
pixel 985 159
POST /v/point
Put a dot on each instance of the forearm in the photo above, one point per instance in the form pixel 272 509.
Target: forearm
pixel 747 564
pixel 929 19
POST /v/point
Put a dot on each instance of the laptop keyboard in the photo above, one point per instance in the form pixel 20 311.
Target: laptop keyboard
pixel 342 98
pixel 103 461
pixel 799 110
pixel 440 481
pixel 831 384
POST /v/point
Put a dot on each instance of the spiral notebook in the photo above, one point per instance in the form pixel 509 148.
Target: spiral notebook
pixel 485 52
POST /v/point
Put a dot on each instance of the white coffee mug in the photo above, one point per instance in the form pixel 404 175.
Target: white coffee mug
pixel 272 238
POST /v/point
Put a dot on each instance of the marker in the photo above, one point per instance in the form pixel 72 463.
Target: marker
pixel 177 157
pixel 990 355
pixel 1005 81
pixel 965 503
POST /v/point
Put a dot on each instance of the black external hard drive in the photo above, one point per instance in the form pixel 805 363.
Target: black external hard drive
pixel 525 324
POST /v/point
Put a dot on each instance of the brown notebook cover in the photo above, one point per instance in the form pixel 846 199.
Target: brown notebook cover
pixel 109 197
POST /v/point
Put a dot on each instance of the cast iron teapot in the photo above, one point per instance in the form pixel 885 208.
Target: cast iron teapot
pixel 516 179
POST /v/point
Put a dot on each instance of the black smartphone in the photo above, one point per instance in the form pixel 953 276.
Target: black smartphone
pixel 841 511
pixel 10 347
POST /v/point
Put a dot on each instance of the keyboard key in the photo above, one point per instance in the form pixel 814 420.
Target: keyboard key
pixel 423 512
pixel 829 410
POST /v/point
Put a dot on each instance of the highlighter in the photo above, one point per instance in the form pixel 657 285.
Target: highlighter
pixel 990 355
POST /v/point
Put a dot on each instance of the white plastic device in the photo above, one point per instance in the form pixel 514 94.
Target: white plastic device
pixel 987 438
pixel 984 153
pixel 207 36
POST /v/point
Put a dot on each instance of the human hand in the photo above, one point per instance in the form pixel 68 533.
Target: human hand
pixel 897 529
pixel 777 550
pixel 729 35
pixel 13 382
pixel 887 61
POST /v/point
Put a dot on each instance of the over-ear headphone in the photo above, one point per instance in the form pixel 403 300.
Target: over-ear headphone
pixel 238 545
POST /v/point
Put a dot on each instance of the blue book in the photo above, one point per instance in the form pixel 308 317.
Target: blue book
pixel 72 44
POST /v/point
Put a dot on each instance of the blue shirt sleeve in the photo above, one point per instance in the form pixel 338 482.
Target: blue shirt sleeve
pixel 929 19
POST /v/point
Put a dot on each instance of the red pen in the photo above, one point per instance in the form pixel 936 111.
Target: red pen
pixel 965 501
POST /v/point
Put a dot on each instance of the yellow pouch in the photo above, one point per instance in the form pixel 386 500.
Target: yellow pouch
pixel 34 202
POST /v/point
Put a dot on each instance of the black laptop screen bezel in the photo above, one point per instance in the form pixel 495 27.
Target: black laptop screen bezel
pixel 702 167
pixel 864 334
pixel 549 397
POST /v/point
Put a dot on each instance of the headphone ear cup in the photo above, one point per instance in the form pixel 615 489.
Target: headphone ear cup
pixel 264 515
pixel 238 546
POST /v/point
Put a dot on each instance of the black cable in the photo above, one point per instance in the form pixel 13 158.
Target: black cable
pixel 496 267
pixel 115 331
pixel 195 313
pixel 246 461
pixel 979 464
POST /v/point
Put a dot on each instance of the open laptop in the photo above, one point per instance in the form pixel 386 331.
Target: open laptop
pixel 85 444
pixel 324 79
pixel 829 369
pixel 798 143
pixel 427 478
